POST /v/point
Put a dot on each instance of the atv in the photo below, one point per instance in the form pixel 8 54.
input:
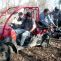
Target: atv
pixel 8 36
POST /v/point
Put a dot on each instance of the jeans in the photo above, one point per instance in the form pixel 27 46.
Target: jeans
pixel 44 24
pixel 24 33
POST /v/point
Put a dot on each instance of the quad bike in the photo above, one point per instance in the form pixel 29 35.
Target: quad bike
pixel 37 38
pixel 38 34
pixel 54 32
pixel 6 31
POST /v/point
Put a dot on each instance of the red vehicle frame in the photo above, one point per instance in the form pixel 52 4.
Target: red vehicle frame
pixel 16 9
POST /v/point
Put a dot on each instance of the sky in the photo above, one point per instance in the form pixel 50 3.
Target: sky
pixel 3 3
pixel 52 4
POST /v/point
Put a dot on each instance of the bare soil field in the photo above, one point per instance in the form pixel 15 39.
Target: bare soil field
pixel 50 53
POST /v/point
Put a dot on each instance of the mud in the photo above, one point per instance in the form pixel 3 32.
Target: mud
pixel 50 53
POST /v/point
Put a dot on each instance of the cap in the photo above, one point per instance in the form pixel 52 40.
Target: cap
pixel 28 14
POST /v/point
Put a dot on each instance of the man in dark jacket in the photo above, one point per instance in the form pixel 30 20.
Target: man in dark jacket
pixel 56 15
pixel 28 25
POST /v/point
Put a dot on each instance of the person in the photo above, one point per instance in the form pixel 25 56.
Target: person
pixel 27 27
pixel 20 14
pixel 45 18
pixel 55 14
pixel 16 22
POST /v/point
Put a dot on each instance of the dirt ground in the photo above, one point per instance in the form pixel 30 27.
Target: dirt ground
pixel 51 53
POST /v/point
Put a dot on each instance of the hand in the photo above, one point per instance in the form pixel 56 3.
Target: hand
pixel 55 26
